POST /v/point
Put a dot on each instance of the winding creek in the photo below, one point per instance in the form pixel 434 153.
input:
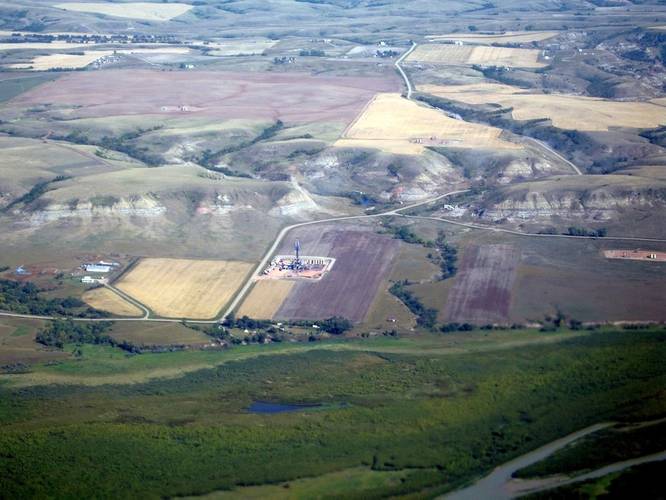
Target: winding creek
pixel 500 485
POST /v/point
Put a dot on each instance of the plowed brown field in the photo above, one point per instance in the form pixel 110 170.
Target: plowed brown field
pixel 482 290
pixel 363 258
pixel 290 97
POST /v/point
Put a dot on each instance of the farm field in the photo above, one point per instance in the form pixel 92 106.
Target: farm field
pixel 395 125
pixel 106 300
pixel 289 97
pixel 265 298
pixel 76 61
pixel 68 61
pixel 573 277
pixel 181 288
pixel 449 54
pixel 482 289
pixel 133 10
pixel 362 260
pixel 490 38
pixel 565 111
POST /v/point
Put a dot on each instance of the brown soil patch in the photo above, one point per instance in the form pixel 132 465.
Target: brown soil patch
pixel 648 255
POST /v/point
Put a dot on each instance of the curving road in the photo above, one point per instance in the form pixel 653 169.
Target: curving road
pixel 397 63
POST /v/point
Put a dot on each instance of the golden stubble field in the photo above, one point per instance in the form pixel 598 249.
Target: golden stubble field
pixel 490 38
pixel 265 299
pixel 105 300
pixel 183 288
pixel 396 125
pixel 450 54
pixel 74 61
pixel 65 61
pixel 133 10
pixel 565 111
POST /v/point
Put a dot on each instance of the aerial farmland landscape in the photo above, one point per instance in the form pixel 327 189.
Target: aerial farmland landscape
pixel 333 249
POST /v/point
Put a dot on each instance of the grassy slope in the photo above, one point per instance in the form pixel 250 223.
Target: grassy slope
pixel 408 404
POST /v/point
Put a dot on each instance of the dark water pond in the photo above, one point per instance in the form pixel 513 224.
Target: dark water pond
pixel 265 407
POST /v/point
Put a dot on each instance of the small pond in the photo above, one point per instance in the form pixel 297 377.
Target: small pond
pixel 266 407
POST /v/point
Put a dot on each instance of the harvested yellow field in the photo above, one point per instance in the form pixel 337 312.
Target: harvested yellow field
pixel 396 125
pixel 476 54
pixel 565 111
pixel 105 300
pixel 68 61
pixel 265 299
pixel 182 288
pixel 488 39
pixel 73 61
pixel 135 10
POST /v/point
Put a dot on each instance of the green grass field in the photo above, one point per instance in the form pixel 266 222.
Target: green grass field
pixel 433 411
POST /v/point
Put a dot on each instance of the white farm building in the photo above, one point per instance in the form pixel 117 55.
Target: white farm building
pixel 96 268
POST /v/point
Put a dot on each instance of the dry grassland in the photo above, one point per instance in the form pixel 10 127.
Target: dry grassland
pixel 181 288
pixel 240 47
pixel 565 111
pixel 395 125
pixel 481 55
pixel 265 299
pixel 134 10
pixel 488 39
pixel 105 300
